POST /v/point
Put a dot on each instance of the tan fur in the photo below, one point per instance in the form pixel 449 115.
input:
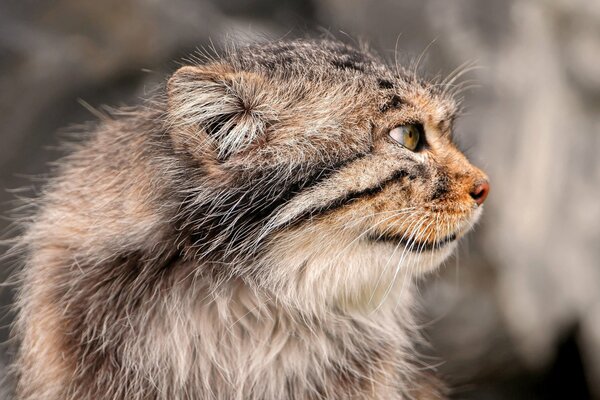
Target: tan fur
pixel 252 234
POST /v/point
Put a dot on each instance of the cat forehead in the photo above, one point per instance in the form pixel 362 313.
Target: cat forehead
pixel 307 56
pixel 334 63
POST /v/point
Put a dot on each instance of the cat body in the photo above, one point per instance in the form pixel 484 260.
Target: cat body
pixel 251 234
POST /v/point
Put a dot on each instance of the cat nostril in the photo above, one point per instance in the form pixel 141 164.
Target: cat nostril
pixel 480 191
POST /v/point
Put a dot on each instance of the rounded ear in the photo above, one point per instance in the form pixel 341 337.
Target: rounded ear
pixel 213 104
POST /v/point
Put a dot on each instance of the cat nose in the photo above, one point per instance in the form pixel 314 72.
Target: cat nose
pixel 480 191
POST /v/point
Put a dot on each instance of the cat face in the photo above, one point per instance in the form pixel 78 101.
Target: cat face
pixel 324 173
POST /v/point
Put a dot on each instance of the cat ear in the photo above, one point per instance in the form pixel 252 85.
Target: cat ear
pixel 216 104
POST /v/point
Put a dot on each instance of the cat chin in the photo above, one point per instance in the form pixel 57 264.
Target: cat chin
pixel 430 261
pixel 411 262
pixel 310 271
pixel 390 272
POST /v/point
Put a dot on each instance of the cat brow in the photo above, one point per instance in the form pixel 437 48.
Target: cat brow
pixel 395 102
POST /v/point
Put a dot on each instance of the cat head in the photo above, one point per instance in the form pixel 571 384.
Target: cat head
pixel 320 173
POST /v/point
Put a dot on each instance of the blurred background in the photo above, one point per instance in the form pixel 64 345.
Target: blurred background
pixel 516 315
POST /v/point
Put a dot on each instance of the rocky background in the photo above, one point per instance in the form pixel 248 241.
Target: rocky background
pixel 516 315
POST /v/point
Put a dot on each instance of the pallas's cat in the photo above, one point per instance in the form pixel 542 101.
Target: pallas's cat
pixel 250 233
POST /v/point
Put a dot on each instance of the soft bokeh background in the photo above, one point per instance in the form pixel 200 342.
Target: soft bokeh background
pixel 517 314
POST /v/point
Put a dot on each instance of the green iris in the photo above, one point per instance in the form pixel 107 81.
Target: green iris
pixel 408 136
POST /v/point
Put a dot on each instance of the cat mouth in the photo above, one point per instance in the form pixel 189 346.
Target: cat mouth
pixel 413 245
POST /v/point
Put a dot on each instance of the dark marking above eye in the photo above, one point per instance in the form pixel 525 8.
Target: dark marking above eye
pixel 269 65
pixel 395 102
pixel 385 84
pixel 347 64
pixel 282 48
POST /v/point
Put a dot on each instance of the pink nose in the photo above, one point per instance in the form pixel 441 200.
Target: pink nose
pixel 480 191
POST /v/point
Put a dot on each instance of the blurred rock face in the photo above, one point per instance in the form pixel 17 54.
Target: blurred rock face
pixel 531 271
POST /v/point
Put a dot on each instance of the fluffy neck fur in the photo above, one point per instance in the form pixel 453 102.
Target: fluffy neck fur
pixel 236 344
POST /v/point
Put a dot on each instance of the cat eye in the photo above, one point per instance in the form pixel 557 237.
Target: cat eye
pixel 408 136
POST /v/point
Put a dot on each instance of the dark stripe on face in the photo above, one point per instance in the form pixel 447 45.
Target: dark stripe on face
pixel 289 191
pixel 412 245
pixel 231 219
pixel 441 186
pixel 349 197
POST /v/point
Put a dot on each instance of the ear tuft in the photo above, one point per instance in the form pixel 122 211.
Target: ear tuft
pixel 213 103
